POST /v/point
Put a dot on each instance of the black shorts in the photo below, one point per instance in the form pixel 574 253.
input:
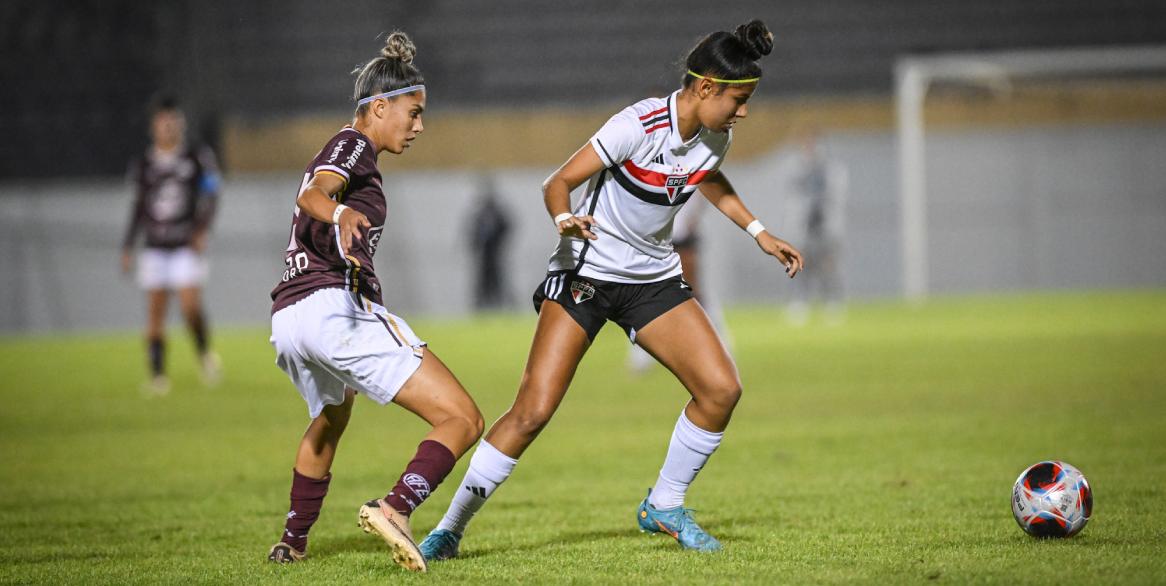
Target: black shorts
pixel 592 302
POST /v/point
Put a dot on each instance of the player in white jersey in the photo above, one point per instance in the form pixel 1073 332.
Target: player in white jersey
pixel 615 261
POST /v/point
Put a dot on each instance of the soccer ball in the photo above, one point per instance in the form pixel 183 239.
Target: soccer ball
pixel 1052 499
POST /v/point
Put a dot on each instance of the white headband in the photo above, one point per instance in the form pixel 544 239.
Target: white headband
pixel 404 90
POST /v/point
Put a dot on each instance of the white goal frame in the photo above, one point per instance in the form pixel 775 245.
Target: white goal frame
pixel 913 78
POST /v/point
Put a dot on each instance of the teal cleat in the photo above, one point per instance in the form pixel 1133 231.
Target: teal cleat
pixel 440 544
pixel 676 522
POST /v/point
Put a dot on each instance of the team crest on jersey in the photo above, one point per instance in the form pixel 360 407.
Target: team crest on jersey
pixel 374 239
pixel 676 182
pixel 582 291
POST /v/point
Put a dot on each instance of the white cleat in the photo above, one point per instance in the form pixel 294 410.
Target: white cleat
pixel 212 369
pixel 377 517
pixel 159 386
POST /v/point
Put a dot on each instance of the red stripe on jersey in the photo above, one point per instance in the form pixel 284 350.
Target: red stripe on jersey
pixel 659 179
pixel 653 113
pixel 652 129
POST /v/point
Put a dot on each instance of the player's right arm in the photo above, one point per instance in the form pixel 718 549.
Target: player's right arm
pixel 136 213
pixel 618 138
pixel 316 199
pixel 557 191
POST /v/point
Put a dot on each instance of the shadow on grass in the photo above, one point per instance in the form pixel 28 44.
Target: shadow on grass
pixel 738 529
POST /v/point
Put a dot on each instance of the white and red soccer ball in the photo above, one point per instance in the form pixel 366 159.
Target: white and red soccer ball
pixel 1052 499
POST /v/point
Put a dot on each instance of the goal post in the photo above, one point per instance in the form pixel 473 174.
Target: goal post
pixel 997 71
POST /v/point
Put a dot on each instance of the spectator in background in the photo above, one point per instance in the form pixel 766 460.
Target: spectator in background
pixel 816 184
pixel 176 189
pixel 489 228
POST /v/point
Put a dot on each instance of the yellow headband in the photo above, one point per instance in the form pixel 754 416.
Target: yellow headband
pixel 699 76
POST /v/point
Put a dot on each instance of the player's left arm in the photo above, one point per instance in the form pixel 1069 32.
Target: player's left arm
pixel 717 189
pixel 209 188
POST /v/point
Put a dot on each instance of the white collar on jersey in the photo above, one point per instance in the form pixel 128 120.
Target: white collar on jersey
pixel 678 145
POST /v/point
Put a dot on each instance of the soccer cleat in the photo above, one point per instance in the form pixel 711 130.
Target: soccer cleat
pixel 212 369
pixel 377 517
pixel 282 553
pixel 158 386
pixel 678 523
pixel 440 544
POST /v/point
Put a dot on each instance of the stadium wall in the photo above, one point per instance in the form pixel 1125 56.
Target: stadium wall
pixel 1035 207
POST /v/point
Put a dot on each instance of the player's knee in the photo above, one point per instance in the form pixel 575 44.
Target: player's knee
pixel 531 420
pixel 724 394
pixel 472 423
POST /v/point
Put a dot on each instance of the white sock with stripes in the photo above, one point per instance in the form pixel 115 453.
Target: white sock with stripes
pixel 488 469
pixel 688 451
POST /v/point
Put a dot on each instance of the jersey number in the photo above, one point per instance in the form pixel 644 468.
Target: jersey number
pixel 296 265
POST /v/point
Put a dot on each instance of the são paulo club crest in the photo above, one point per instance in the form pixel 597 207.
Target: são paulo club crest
pixel 582 291
pixel 676 182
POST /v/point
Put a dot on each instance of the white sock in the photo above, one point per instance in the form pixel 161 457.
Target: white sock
pixel 688 451
pixel 488 469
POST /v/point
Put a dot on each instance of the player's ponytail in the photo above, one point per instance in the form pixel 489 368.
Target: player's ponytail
pixel 726 57
pixel 393 70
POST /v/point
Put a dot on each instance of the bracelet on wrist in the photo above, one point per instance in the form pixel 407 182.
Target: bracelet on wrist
pixel 563 216
pixel 754 228
pixel 336 213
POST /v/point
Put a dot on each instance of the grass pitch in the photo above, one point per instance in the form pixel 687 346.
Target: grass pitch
pixel 881 450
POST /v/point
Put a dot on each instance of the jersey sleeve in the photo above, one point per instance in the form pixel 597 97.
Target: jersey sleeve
pixel 343 156
pixel 138 207
pixel 619 138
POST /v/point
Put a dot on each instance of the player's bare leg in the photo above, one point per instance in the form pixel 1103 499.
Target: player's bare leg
pixel 559 344
pixel 684 341
pixel 318 446
pixel 435 395
pixel 311 477
pixel 156 305
pixel 190 301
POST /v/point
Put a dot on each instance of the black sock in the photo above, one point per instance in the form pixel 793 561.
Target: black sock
pixel 198 329
pixel 157 354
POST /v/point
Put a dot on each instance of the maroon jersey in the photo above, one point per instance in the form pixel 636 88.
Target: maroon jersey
pixel 313 259
pixel 175 196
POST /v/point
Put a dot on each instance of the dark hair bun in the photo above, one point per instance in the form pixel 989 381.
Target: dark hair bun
pixel 756 39
pixel 399 47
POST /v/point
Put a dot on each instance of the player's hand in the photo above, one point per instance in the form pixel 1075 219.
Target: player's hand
pixel 783 251
pixel 578 227
pixel 198 242
pixel 351 222
pixel 127 262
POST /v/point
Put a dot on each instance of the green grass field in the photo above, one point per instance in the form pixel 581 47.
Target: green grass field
pixel 882 450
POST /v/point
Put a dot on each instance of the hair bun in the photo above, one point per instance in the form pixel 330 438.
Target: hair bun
pixel 756 38
pixel 399 47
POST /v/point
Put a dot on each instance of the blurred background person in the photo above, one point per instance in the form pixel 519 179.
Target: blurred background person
pixel 489 229
pixel 176 188
pixel 816 185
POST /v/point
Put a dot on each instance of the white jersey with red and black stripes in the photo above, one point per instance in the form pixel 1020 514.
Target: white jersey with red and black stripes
pixel 650 173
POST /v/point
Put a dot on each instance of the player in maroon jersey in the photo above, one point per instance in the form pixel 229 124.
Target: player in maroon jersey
pixel 332 335
pixel 176 186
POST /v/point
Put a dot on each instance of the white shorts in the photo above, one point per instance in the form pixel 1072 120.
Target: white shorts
pixel 334 339
pixel 160 268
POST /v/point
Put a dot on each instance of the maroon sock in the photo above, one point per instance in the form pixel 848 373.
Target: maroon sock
pixel 428 468
pixel 307 496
